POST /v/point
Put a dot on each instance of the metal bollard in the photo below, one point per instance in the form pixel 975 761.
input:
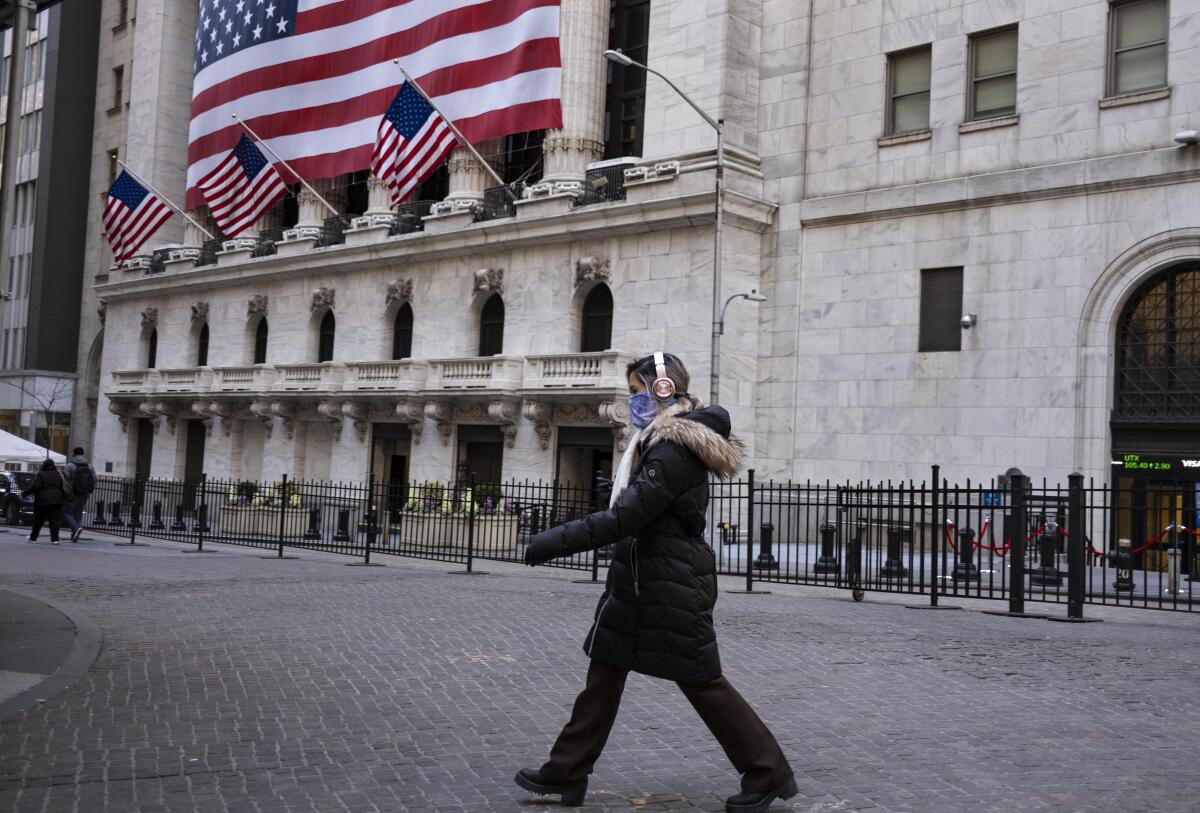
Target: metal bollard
pixel 964 565
pixel 156 520
pixel 343 526
pixel 1173 566
pixel 179 525
pixel 893 566
pixel 827 562
pixel 135 515
pixel 98 517
pixel 314 524
pixel 729 534
pixel 114 513
pixel 1048 575
pixel 1122 560
pixel 766 559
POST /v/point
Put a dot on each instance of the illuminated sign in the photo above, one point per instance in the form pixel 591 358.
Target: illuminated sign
pixel 1144 462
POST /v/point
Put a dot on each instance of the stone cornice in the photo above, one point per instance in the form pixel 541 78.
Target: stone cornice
pixel 1113 173
pixel 482 239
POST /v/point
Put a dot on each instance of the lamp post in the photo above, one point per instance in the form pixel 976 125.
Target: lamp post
pixel 620 58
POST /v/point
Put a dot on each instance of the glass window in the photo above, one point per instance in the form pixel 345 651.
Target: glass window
pixel 491 327
pixel 628 31
pixel 597 320
pixel 908 97
pixel 993 74
pixel 152 349
pixel 1137 57
pixel 325 339
pixel 402 332
pixel 260 342
pixel 941 310
pixel 202 346
pixel 118 89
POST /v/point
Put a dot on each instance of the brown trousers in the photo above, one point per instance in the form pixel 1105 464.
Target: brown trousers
pixel 747 742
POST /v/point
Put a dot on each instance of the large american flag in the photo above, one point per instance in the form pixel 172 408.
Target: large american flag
pixel 241 188
pixel 312 76
pixel 412 141
pixel 131 215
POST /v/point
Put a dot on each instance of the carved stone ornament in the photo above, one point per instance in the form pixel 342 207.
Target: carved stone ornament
pixel 399 291
pixel 157 411
pixel 443 416
pixel 199 313
pixel 359 415
pixel 102 311
pixel 332 412
pixel 262 411
pixel 489 280
pixel 287 413
pixel 322 299
pixel 592 269
pixel 412 414
pixel 149 318
pixel 617 414
pixel 505 413
pixel 122 411
pixel 257 305
pixel 541 414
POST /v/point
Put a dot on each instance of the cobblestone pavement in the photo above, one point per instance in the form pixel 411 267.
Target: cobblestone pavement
pixel 227 682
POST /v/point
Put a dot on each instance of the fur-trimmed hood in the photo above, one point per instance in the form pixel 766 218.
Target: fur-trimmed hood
pixel 703 431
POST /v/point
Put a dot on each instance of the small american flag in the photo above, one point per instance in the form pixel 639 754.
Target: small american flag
pixel 241 188
pixel 412 141
pixel 132 214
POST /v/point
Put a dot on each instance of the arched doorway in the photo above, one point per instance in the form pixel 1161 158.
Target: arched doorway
pixel 1155 417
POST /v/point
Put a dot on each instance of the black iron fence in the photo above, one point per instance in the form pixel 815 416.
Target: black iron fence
pixel 1129 544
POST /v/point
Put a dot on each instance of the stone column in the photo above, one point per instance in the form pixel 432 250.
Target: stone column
pixel 312 211
pixel 583 34
pixel 468 178
pixel 192 236
pixel 379 199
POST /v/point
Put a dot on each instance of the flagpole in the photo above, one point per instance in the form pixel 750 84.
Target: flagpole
pixel 449 123
pixel 286 166
pixel 164 198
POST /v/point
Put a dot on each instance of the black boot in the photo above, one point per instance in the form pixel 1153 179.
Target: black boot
pixel 750 802
pixel 531 780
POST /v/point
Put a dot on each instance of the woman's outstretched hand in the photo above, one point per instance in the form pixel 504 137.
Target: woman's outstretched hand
pixel 539 550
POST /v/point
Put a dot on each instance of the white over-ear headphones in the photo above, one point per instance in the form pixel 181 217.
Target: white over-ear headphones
pixel 663 387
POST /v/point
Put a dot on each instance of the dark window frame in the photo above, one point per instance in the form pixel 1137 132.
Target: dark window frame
pixel 597 324
pixel 202 346
pixel 974 78
pixel 1114 13
pixel 402 332
pixel 890 112
pixel 152 349
pixel 262 335
pixel 326 335
pixel 625 97
pixel 491 333
pixel 939 329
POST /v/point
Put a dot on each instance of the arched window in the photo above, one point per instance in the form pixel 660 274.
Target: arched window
pixel 402 330
pixel 202 346
pixel 597 320
pixel 491 327
pixel 152 349
pixel 325 337
pixel 1158 349
pixel 260 341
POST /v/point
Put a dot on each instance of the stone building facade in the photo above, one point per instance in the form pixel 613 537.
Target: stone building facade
pixel 891 167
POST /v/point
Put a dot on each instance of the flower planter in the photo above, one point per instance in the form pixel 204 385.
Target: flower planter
pixel 262 521
pixel 493 534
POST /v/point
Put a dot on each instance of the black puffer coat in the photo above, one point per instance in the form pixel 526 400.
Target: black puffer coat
pixel 655 616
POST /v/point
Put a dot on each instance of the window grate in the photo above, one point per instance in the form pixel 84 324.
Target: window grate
pixel 1158 349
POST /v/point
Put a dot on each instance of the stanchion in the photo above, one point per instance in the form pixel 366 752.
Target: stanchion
pixel 766 559
pixel 200 528
pixel 965 569
pixel 314 525
pixel 893 565
pixel 179 526
pixel 156 519
pixel 134 510
pixel 343 526
pixel 827 562
pixel 372 526
pixel 98 520
pixel 750 541
pixel 1047 575
pixel 1122 559
pixel 470 571
pixel 114 515
pixel 1173 564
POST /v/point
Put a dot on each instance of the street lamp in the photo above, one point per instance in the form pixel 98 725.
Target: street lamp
pixel 753 296
pixel 620 58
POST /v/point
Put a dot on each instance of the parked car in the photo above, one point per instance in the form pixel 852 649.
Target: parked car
pixel 17 510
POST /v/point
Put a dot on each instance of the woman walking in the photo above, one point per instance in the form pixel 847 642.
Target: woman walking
pixel 655 616
pixel 48 488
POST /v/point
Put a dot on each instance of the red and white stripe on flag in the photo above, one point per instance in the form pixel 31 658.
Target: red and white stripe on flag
pixel 413 141
pixel 132 214
pixel 311 76
pixel 241 188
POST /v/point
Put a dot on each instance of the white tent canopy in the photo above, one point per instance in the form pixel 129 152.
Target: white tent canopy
pixel 18 450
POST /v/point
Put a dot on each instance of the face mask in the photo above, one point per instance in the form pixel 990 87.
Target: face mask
pixel 643 409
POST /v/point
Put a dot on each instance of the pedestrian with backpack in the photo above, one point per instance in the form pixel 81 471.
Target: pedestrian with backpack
pixel 82 479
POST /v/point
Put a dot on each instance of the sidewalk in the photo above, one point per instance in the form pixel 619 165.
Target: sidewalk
pixel 229 682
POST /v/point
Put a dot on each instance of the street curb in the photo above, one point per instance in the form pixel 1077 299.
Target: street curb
pixel 84 651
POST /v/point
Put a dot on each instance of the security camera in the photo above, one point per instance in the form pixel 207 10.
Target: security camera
pixel 967 321
pixel 1188 137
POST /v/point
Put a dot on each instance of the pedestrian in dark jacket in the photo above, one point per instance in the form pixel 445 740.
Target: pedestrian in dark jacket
pixel 47 488
pixel 655 616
